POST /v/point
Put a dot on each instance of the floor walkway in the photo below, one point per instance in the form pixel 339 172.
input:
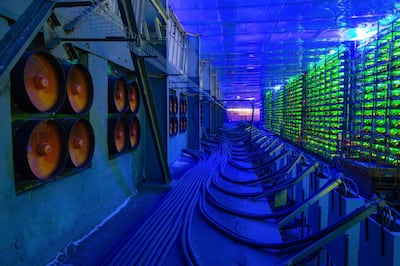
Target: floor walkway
pixel 177 225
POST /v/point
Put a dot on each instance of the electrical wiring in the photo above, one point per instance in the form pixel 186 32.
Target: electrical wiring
pixel 351 181
pixel 267 177
pixel 186 244
pixel 294 244
pixel 265 167
pixel 291 246
pixel 255 155
pixel 289 183
pixel 226 208
pixel 266 191
pixel 263 154
pixel 198 190
pixel 138 246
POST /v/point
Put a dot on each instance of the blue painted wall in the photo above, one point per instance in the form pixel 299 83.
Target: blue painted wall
pixel 193 126
pixel 205 107
pixel 179 141
pixel 159 92
pixel 179 86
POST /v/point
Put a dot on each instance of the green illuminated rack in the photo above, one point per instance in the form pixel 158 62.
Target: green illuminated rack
pixel 347 105
pixel 268 110
pixel 277 111
pixel 293 112
pixel 324 106
pixel 376 135
pixel 393 110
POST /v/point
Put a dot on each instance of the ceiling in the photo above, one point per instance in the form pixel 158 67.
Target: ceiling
pixel 258 44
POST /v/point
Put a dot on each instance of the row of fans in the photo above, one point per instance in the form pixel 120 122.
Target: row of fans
pixel 43 148
pixel 53 145
pixel 123 134
pixel 123 96
pixel 173 105
pixel 46 146
pixel 42 84
pixel 174 125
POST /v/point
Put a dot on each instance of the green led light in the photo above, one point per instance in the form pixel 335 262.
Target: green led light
pixel 396 52
pixel 367 128
pixel 380 141
pixel 395 103
pixel 395 123
pixel 367 121
pixel 380 112
pixel 394 132
pixel 394 143
pixel 394 112
pixel 380 123
pixel 369 105
pixel 380 130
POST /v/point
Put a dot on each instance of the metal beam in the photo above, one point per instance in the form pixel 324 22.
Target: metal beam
pixel 310 201
pixel 54 42
pixel 127 16
pixel 73 4
pixel 128 19
pixel 21 34
pixel 358 215
pixel 160 9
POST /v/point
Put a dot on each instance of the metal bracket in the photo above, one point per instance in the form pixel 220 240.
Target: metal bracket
pixel 128 19
pixel 73 4
pixel 358 215
pixel 53 43
pixel 310 201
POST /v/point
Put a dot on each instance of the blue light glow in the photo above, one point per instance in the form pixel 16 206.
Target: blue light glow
pixel 361 33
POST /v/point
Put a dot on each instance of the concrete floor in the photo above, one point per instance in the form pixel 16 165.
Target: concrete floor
pixel 96 247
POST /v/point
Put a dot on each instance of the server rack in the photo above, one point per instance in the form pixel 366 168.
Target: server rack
pixel 292 114
pixel 324 109
pixel 277 111
pixel 267 110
